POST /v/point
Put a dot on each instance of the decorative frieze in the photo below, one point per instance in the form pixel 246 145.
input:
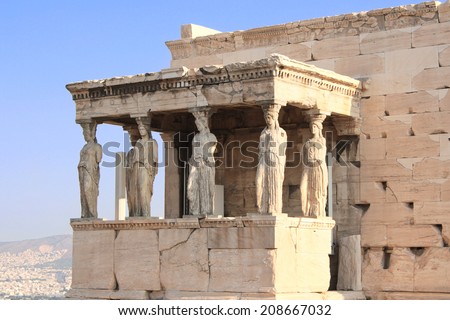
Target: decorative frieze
pixel 209 222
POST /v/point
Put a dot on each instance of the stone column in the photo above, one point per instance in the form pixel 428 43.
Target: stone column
pixel 172 178
pixel 202 170
pixel 271 165
pixel 143 165
pixel 120 194
pixel 130 181
pixel 89 170
pixel 314 177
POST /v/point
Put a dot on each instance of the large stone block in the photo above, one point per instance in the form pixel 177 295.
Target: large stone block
pixel 360 65
pixel 348 219
pixel 347 192
pixel 184 259
pixel 411 147
pixel 385 41
pixel 372 192
pixel 308 240
pixel 431 169
pixel 384 170
pixel 444 12
pixel 336 48
pixel 250 54
pixel 197 62
pixel 107 294
pixel 388 83
pixel 93 260
pixel 241 238
pixel 328 64
pixel 388 213
pixel 428 212
pixel 406 295
pixel 313 272
pixel 136 260
pixel 372 149
pixel 414 102
pixel 432 270
pixel 431 35
pixel 389 126
pixel 384 271
pixel 445 190
pixel 350 262
pixel 446 234
pixel 444 140
pixel 444 57
pixel 373 236
pixel 431 123
pixel 245 270
pixel 414 236
pixel 298 51
pixel 411 191
pixel 434 78
pixel 411 61
pixel 373 106
pixel 286 270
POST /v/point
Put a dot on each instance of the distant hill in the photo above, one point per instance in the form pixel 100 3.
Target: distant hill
pixel 47 244
pixel 36 269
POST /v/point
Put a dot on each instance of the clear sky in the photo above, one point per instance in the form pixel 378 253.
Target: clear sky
pixel 46 44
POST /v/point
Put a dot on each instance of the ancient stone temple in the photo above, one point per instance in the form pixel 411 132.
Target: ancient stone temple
pixel 327 141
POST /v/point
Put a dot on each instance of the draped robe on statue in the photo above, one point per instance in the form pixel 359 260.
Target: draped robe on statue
pixel 270 171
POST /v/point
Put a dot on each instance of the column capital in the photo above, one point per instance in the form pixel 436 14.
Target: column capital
pixel 87 121
pixel 315 112
pixel 168 136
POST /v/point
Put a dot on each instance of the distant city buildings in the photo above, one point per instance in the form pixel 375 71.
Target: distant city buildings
pixel 34 275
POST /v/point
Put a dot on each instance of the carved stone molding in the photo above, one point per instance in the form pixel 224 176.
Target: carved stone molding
pixel 195 223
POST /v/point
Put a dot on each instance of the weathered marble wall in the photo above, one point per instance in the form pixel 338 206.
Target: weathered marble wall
pixel 266 257
pixel 395 187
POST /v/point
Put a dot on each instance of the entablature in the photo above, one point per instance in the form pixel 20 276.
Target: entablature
pixel 276 79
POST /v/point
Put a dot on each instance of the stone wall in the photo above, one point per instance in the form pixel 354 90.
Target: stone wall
pixel 260 257
pixel 394 186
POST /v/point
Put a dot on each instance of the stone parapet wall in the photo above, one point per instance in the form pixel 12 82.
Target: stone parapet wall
pixel 343 30
pixel 257 256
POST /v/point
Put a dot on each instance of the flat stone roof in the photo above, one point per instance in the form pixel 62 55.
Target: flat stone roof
pixel 276 79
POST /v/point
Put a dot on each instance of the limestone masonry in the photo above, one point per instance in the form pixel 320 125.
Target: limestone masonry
pixel 371 88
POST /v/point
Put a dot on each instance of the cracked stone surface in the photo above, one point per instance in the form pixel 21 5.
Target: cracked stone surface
pixel 184 259
pixel 93 265
pixel 136 260
pixel 250 269
pixel 349 276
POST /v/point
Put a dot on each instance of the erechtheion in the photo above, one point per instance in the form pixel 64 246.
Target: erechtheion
pixel 304 160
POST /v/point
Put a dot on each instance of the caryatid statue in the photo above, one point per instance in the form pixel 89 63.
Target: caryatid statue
pixel 201 181
pixel 130 174
pixel 272 161
pixel 88 171
pixel 314 178
pixel 143 162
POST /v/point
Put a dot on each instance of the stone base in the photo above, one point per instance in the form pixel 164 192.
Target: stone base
pixel 407 295
pixel 264 257
pixel 187 295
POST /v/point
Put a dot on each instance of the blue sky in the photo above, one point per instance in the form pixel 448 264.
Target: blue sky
pixel 46 44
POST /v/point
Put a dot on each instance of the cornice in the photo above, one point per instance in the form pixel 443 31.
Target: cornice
pixel 275 67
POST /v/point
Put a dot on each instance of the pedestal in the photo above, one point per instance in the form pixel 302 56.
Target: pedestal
pixel 258 257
